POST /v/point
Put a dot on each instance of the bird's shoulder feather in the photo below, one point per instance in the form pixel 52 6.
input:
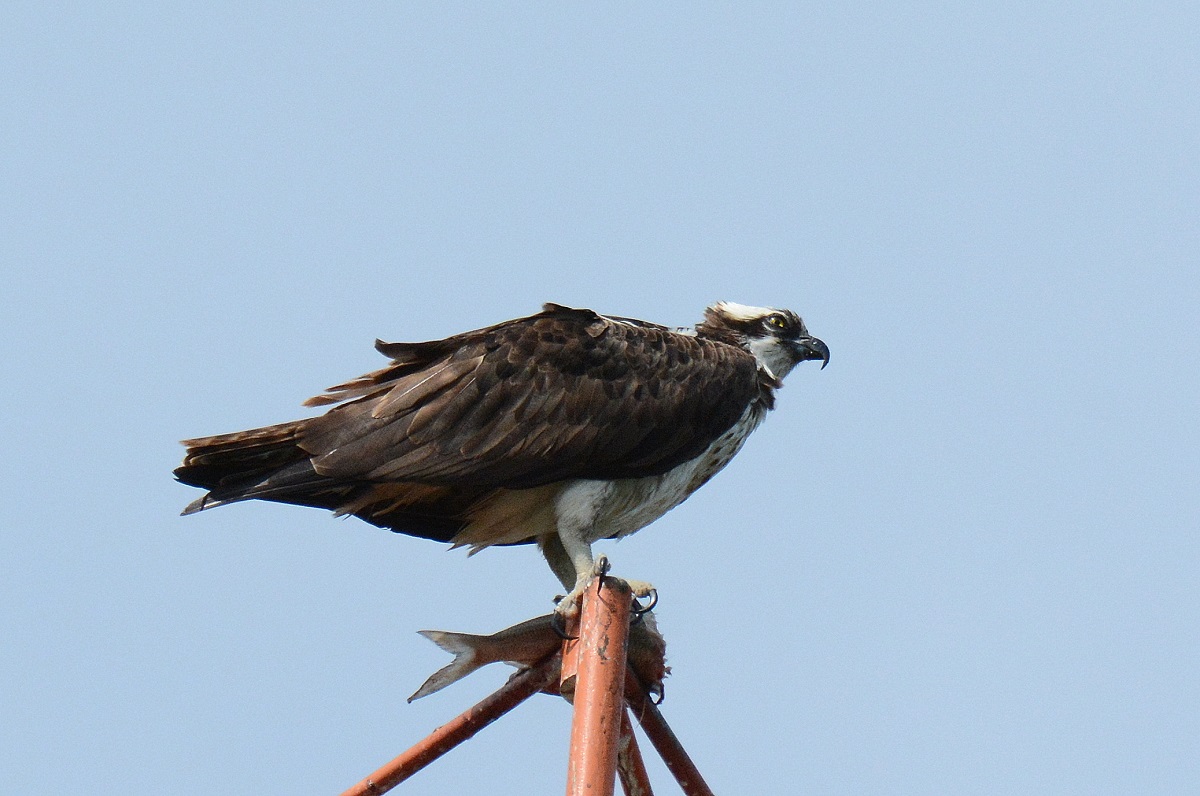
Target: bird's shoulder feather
pixel 561 394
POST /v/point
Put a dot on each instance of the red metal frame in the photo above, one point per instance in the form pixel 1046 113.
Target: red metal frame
pixel 663 739
pixel 631 768
pixel 522 686
pixel 593 673
pixel 600 653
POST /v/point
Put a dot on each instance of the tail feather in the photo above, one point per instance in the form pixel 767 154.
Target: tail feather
pixel 263 462
pixel 214 461
pixel 276 463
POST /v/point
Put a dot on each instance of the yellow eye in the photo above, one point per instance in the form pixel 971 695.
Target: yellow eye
pixel 776 321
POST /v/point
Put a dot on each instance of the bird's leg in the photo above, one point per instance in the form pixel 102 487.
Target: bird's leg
pixel 556 556
pixel 568 550
pixel 577 511
pixel 585 567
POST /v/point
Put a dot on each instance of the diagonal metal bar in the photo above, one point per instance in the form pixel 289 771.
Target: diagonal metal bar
pixel 631 768
pixel 663 739
pixel 519 688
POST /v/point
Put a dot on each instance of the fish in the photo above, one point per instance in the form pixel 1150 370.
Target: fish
pixel 529 642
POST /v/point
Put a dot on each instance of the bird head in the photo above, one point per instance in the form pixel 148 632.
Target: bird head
pixel 777 338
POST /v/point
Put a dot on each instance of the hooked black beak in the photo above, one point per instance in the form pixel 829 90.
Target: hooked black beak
pixel 811 348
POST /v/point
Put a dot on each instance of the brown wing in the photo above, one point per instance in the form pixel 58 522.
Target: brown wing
pixel 562 394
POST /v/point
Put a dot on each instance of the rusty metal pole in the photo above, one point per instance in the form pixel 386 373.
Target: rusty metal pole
pixel 631 768
pixel 519 688
pixel 663 739
pixel 599 687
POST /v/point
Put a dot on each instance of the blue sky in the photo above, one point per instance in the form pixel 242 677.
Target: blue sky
pixel 960 559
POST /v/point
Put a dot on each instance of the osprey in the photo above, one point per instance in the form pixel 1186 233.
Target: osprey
pixel 560 429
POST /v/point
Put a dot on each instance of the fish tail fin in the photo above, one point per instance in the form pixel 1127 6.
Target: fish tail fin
pixel 464 647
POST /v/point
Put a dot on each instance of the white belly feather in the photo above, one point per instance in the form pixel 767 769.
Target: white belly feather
pixel 603 509
pixel 593 509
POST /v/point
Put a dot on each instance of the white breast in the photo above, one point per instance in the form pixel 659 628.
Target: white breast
pixel 618 508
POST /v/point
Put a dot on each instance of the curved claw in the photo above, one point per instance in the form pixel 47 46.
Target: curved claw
pixel 640 609
pixel 560 630
pixel 600 569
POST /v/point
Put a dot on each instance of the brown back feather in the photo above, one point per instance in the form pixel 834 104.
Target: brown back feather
pixel 562 394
